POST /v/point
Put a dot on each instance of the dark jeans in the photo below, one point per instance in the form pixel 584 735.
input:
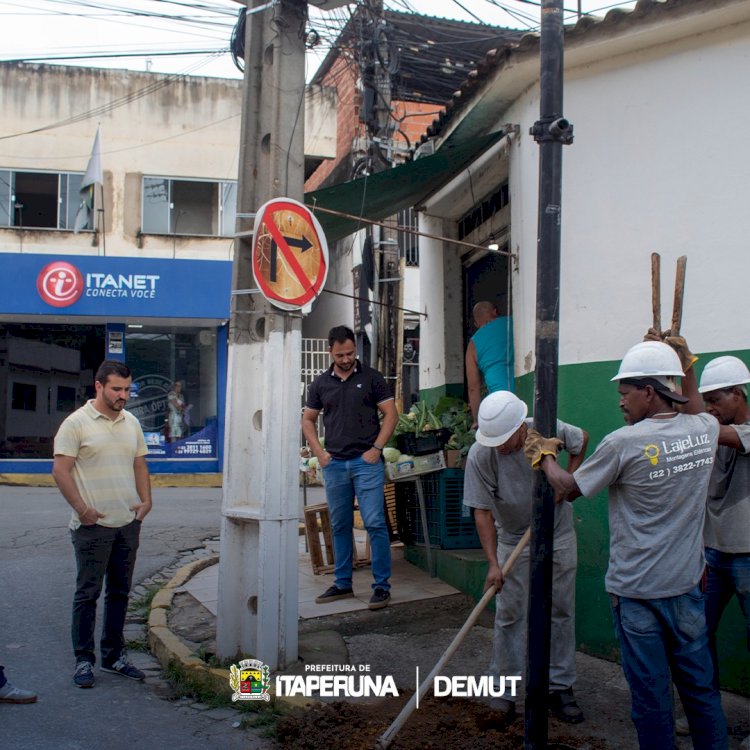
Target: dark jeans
pixel 728 574
pixel 102 554
pixel 3 680
pixel 663 640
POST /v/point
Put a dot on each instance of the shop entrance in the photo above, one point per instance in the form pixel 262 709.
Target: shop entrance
pixel 46 372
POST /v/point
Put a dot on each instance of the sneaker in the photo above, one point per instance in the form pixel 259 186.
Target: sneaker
pixel 504 712
pixel 681 727
pixel 563 705
pixel 379 599
pixel 83 677
pixel 123 667
pixel 334 593
pixel 12 694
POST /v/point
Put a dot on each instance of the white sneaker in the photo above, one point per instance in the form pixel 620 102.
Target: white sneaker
pixel 12 694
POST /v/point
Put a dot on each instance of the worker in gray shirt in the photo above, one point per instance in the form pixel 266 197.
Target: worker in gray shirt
pixel 657 470
pixel 498 484
pixel 727 532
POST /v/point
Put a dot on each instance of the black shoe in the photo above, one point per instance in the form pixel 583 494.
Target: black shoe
pixel 563 705
pixel 83 677
pixel 379 599
pixel 123 667
pixel 334 593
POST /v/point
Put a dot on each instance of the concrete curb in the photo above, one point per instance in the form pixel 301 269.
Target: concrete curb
pixel 169 648
pixel 157 480
pixel 164 644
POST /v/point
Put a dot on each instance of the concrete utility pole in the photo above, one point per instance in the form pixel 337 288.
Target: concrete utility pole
pixel 551 131
pixel 257 607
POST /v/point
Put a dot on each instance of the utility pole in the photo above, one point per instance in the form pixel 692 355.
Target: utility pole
pixel 258 585
pixel 551 131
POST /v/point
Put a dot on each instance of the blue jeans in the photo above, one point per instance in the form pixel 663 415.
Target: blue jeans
pixel 102 553
pixel 728 574
pixel 665 640
pixel 345 478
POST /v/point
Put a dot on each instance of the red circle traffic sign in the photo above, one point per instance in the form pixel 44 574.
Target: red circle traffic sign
pixel 290 254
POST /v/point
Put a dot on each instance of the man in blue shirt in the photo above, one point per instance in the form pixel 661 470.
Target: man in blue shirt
pixel 489 355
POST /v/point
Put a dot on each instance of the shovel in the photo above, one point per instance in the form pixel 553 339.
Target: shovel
pixel 387 737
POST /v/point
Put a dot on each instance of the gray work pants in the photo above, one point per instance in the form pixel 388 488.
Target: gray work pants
pixel 511 607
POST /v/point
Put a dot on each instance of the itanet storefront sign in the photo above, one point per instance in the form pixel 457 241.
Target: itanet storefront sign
pixel 116 287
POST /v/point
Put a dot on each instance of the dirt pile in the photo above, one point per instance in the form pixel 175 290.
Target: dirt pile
pixel 456 723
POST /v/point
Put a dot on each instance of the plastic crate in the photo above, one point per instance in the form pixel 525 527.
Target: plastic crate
pixel 427 442
pixel 450 523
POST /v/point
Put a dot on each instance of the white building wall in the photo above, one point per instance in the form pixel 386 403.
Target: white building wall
pixel 655 166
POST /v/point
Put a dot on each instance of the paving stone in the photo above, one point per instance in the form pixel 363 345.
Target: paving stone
pixel 200 707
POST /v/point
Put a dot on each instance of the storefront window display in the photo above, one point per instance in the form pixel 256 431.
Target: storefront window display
pixel 174 389
pixel 46 372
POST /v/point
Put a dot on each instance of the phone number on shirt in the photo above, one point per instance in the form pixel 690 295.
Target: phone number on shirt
pixel 678 468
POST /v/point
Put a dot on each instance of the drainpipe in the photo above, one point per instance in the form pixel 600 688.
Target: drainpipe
pixel 551 132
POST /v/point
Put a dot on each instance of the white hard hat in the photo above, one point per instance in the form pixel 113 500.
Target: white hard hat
pixel 500 415
pixel 649 359
pixel 723 372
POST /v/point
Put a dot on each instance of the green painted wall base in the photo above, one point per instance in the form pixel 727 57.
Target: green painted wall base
pixel 464 569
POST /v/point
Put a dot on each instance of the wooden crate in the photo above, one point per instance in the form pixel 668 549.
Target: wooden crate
pixel 320 541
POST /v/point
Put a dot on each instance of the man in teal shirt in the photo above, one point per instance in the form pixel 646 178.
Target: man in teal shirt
pixel 489 355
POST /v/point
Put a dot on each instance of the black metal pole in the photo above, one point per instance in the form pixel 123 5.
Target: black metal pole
pixel 551 131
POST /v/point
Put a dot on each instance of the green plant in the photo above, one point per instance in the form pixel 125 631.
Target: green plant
pixel 419 420
pixel 455 414
pixel 142 605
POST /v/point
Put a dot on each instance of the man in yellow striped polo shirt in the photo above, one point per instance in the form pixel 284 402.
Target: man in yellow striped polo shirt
pixel 100 469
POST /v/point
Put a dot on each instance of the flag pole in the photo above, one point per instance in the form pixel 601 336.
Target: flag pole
pixel 102 223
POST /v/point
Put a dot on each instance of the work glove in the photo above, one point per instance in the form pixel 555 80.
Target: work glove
pixel 537 446
pixel 678 343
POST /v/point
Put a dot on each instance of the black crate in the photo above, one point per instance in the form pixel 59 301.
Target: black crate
pixel 427 442
pixel 450 523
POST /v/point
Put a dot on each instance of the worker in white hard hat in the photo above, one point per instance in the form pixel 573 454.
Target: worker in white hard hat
pixel 726 535
pixel 498 485
pixel 657 470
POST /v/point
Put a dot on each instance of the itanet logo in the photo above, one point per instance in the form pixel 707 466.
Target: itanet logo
pixel 59 284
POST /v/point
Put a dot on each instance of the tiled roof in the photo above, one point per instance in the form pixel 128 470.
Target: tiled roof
pixel 587 28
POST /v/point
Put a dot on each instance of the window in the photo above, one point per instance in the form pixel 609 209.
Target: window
pixel 190 207
pixel 66 398
pixel 408 242
pixel 174 392
pixel 40 200
pixel 23 397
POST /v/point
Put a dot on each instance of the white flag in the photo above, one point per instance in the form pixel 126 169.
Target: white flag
pixel 92 178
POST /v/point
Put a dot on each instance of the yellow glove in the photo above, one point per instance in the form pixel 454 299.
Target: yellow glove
pixel 537 446
pixel 678 343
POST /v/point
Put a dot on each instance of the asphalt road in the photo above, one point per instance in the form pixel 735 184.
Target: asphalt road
pixel 36 589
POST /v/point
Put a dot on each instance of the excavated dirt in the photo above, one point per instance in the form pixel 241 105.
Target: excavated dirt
pixel 457 723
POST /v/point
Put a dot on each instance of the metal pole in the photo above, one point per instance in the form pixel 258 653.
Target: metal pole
pixel 551 131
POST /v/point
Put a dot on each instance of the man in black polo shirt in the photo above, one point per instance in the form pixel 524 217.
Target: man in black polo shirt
pixel 351 396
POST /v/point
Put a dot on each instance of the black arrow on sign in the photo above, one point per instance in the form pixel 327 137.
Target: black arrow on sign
pixel 301 242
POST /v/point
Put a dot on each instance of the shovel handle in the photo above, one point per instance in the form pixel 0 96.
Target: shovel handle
pixel 386 738
pixel 679 291
pixel 656 291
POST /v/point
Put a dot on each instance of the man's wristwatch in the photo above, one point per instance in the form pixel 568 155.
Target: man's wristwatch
pixel 377 447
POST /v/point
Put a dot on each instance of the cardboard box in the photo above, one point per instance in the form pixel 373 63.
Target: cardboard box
pixel 416 465
pixel 454 459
